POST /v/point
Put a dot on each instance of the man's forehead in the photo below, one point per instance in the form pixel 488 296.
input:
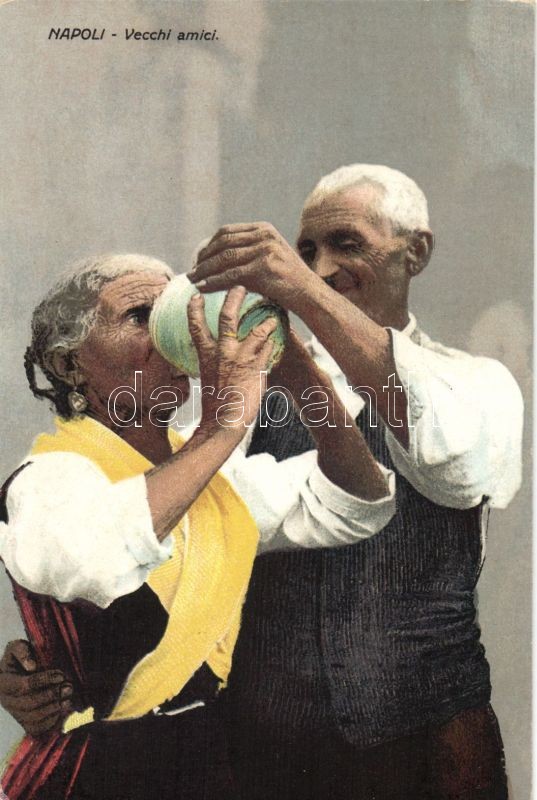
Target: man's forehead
pixel 134 286
pixel 350 207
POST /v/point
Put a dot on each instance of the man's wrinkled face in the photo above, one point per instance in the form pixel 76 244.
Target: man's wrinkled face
pixel 119 343
pixel 352 247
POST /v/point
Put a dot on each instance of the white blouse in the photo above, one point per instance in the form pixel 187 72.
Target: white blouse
pixel 71 533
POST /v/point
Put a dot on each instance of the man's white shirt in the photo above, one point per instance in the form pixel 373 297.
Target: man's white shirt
pixel 465 418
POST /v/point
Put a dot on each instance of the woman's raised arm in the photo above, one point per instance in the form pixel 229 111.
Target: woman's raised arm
pixel 227 365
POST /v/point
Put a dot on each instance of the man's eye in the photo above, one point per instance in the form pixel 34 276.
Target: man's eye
pixel 350 247
pixel 140 314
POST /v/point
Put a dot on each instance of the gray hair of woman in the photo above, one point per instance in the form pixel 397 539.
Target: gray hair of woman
pixel 65 317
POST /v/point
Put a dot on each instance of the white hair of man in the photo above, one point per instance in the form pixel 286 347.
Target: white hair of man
pixel 64 318
pixel 401 201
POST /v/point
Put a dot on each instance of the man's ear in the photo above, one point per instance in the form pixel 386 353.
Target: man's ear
pixel 419 251
pixel 63 364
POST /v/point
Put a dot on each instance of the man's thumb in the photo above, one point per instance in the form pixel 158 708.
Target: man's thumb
pixel 18 657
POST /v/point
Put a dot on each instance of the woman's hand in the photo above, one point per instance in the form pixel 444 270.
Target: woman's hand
pixel 233 372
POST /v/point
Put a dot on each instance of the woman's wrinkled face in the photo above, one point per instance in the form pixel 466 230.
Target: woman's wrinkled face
pixel 119 345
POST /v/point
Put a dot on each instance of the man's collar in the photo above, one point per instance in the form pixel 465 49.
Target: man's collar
pixel 411 325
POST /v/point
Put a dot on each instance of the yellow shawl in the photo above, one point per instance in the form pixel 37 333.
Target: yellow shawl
pixel 202 586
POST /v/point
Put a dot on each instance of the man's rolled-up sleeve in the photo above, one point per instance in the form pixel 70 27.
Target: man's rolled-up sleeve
pixel 295 505
pixel 71 533
pixel 465 426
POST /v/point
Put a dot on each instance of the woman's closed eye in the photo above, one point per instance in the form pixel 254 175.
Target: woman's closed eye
pixel 139 314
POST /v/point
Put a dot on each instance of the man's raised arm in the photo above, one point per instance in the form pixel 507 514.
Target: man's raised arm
pixel 256 256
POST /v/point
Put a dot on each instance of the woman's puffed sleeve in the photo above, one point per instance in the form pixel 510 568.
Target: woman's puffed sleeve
pixel 71 533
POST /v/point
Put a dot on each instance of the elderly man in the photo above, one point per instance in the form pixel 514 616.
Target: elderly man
pixel 359 672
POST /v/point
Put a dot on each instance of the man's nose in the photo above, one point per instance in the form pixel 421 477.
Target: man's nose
pixel 323 265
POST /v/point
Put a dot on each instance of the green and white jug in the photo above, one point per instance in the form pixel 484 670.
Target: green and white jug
pixel 168 323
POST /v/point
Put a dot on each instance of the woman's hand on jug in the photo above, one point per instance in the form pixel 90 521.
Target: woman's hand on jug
pixel 233 372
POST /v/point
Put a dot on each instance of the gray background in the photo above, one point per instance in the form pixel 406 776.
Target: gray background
pixel 147 147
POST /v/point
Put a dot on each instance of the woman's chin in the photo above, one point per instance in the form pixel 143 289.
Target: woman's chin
pixel 182 384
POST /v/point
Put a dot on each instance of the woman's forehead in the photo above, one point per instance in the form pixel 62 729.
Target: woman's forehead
pixel 137 287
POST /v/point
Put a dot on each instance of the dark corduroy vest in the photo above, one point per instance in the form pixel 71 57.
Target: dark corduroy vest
pixel 376 639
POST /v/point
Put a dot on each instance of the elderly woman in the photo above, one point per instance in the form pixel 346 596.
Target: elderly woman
pixel 129 552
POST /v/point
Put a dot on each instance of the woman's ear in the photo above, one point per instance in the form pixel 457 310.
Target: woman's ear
pixel 419 251
pixel 63 364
